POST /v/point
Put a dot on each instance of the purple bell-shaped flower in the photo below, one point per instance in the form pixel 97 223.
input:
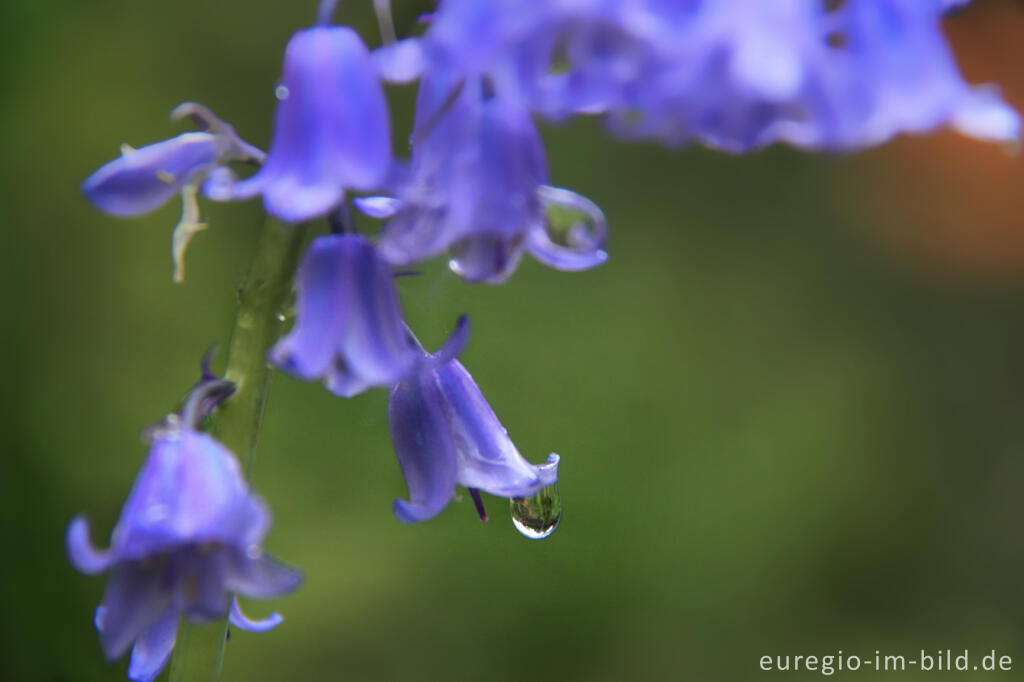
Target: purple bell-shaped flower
pixel 476 186
pixel 348 330
pixel 331 132
pixel 142 180
pixel 189 536
pixel 445 433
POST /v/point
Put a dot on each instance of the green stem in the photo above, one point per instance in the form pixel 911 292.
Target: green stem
pixel 199 649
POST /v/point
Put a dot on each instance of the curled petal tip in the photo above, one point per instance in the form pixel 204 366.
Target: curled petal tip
pixel 548 472
pixel 585 240
pixel 984 116
pixel 200 114
pixel 84 556
pixel 243 622
pixel 455 344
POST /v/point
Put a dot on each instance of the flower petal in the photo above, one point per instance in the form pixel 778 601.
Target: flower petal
pixel 452 348
pixel 471 186
pixel 401 62
pixel 378 207
pixel 343 383
pixel 153 649
pixel 487 458
pixel 83 555
pixel 323 307
pixel 219 183
pixel 424 446
pixel 142 180
pixel 585 244
pixel 540 246
pixel 984 116
pixel 349 330
pixel 377 347
pixel 331 128
pixel 261 577
pixel 243 622
pixel 190 490
pixel 132 604
pixel 203 574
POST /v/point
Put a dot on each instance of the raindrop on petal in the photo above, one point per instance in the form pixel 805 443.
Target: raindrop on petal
pixel 537 517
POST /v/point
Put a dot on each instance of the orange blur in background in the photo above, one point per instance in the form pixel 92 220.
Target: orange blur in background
pixel 953 205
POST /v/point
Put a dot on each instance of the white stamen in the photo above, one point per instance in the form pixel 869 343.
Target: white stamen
pixel 186 228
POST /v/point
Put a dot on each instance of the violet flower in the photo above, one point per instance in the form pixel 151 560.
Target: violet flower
pixel 815 75
pixel 445 433
pixel 476 186
pixel 142 180
pixel 190 534
pixel 348 330
pixel 732 74
pixel 331 131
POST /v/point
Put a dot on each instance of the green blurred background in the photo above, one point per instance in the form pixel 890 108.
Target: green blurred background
pixel 789 408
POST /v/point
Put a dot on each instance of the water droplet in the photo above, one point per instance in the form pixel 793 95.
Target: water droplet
pixel 286 313
pixel 281 92
pixel 537 517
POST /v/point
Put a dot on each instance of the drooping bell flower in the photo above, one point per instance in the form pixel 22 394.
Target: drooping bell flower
pixel 190 535
pixel 144 179
pixel 558 58
pixel 445 434
pixel 331 130
pixel 348 330
pixel 476 186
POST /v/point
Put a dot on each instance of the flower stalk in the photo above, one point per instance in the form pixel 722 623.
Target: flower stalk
pixel 199 650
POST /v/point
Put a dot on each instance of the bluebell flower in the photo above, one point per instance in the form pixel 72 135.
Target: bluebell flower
pixel 144 179
pixel 732 74
pixel 348 329
pixel 559 58
pixel 815 75
pixel 331 131
pixel 475 186
pixel 189 536
pixel 445 434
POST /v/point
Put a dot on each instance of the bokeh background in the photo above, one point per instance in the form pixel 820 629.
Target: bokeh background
pixel 790 408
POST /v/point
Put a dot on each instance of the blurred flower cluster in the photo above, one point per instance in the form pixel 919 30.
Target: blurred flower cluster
pixel 731 74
